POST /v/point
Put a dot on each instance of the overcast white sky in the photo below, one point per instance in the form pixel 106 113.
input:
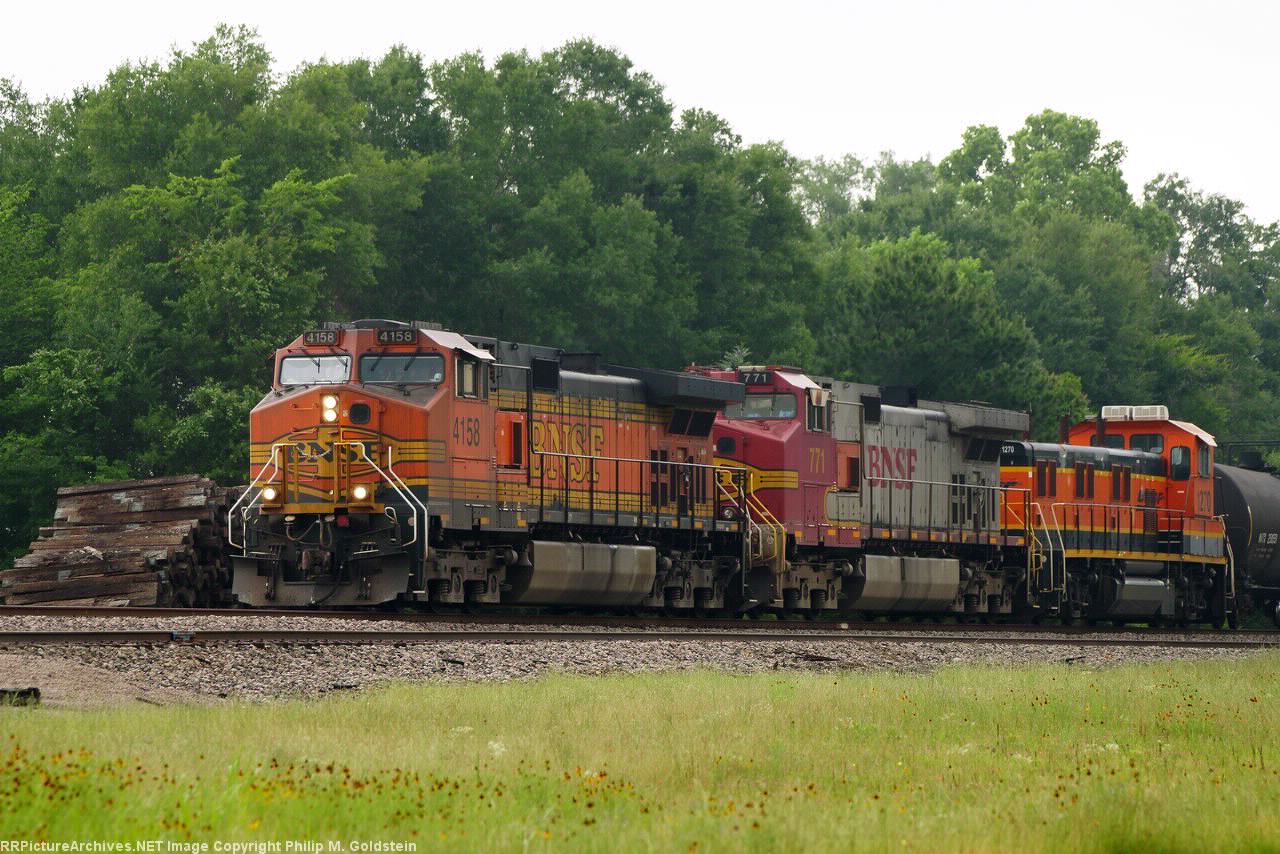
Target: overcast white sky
pixel 1188 87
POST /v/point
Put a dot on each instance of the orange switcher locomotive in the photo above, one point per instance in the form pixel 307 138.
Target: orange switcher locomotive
pixel 397 461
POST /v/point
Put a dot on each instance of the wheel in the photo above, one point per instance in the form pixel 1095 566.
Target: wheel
pixel 701 603
pixel 471 602
pixel 817 603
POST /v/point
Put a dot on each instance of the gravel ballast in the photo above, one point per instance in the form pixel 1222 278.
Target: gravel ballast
pixel 79 675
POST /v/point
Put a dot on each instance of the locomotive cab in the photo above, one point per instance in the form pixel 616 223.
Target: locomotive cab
pixel 1146 544
pixel 336 509
pixel 1187 452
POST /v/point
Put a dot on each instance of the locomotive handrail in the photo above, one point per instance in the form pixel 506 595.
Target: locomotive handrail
pixel 1034 543
pixel 1231 559
pixel 742 501
pixel 1170 516
pixel 635 460
pixel 392 477
pixel 1062 546
pixel 967 487
pixel 244 522
pixel 639 461
pixel 751 502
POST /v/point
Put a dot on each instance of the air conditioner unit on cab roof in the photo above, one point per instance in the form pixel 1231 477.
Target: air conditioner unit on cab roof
pixel 1116 413
pixel 1151 413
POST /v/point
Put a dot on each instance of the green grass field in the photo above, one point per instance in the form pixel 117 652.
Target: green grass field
pixel 1160 757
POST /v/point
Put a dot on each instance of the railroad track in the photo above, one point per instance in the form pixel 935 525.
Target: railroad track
pixel 646 623
pixel 306 637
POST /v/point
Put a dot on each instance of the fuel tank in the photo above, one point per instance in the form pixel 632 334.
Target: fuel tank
pixel 1250 501
pixel 579 573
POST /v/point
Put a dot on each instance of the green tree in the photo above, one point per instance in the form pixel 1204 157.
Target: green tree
pixel 25 261
pixel 904 312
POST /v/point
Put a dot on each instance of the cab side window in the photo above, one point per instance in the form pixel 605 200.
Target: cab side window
pixel 1202 463
pixel 1150 442
pixel 470 379
pixel 1180 463
pixel 817 418
pixel 816 410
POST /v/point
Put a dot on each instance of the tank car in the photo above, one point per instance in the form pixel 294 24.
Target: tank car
pixel 402 462
pixel 1249 501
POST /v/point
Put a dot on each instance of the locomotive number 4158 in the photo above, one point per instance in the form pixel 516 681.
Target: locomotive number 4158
pixel 466 431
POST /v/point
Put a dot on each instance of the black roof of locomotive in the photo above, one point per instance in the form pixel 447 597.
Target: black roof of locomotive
pixel 1027 453
pixel 583 373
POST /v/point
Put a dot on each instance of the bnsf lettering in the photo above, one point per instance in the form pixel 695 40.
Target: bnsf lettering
pixel 891 465
pixel 577 440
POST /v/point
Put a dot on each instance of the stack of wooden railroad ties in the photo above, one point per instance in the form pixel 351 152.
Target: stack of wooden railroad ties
pixel 160 541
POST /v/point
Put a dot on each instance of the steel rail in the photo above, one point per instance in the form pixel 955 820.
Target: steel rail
pixel 154 637
pixel 912 624
pixel 504 618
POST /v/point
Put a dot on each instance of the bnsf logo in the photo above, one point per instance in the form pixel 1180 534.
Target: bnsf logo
pixel 897 463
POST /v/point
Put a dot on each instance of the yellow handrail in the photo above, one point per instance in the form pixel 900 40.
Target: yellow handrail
pixel 756 510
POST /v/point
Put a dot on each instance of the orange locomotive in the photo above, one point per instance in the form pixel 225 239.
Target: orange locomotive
pixel 396 461
pixel 1125 521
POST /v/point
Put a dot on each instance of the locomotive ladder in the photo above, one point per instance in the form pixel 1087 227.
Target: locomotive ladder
pixel 1045 546
pixel 1044 530
pixel 759 517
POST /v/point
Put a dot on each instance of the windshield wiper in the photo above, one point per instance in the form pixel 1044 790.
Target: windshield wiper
pixel 377 360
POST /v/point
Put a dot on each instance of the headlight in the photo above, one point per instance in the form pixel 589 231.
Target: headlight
pixel 269 493
pixel 360 493
pixel 330 403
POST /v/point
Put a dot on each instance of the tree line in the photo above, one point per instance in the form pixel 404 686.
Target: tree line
pixel 163 232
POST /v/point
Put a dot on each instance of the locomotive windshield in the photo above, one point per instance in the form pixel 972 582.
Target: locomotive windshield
pixel 402 368
pixel 759 406
pixel 315 370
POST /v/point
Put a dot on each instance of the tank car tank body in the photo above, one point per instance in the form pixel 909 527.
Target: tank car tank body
pixel 1249 500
